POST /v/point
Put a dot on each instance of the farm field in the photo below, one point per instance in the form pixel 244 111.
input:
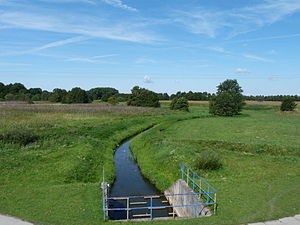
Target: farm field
pixel 56 179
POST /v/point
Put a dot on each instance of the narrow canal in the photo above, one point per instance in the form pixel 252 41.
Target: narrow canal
pixel 130 182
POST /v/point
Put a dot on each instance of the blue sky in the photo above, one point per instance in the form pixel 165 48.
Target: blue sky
pixel 162 45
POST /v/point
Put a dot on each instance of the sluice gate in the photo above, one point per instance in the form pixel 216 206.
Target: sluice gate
pixel 132 197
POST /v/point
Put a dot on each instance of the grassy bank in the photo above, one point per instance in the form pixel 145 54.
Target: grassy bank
pixel 55 179
pixel 260 177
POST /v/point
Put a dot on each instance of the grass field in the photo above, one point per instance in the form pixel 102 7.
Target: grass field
pixel 56 179
pixel 260 178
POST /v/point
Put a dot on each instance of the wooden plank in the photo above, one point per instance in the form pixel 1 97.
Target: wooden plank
pixel 159 207
pixel 172 213
pixel 140 215
pixel 137 203
pixel 154 196
pixel 116 198
pixel 166 201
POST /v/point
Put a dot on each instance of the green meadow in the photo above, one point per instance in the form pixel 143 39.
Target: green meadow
pixel 55 179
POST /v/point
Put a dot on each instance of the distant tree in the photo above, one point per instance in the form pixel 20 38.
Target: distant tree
pixel 35 91
pixel 228 100
pixel 16 88
pixel 45 96
pixel 143 97
pixel 102 93
pixel 112 100
pixel 288 104
pixel 163 96
pixel 180 104
pixel 36 97
pixel 10 97
pixel 57 95
pixel 76 95
pixel 121 97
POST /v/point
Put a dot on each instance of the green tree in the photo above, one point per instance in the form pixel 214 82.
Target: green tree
pixel 180 104
pixel 102 93
pixel 143 97
pixel 288 104
pixel 229 99
pixel 76 95
pixel 57 95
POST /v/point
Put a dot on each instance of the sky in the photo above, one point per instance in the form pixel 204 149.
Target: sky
pixel 162 45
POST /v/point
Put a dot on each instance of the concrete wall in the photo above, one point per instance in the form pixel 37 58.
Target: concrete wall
pixel 181 187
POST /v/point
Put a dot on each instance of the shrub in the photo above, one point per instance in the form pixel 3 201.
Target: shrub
pixel 180 104
pixel 112 100
pixel 288 104
pixel 229 99
pixel 208 160
pixel 22 137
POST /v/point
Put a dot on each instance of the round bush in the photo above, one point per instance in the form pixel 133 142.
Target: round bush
pixel 208 160
pixel 180 104
pixel 288 104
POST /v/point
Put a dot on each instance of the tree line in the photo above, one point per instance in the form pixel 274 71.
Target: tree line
pixel 18 92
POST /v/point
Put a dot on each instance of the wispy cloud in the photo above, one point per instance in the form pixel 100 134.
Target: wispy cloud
pixel 267 38
pixel 93 59
pixel 218 49
pixel 238 20
pixel 120 4
pixel 257 58
pixel 76 24
pixel 241 70
pixel 70 1
pixel 14 64
pixel 62 42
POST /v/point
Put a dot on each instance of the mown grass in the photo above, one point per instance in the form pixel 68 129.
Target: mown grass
pixel 260 177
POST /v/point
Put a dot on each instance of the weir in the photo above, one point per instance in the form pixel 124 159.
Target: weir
pixel 132 197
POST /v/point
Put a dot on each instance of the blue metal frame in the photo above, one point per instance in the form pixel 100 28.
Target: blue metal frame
pixel 210 194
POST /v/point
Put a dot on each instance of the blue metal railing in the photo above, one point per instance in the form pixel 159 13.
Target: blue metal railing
pixel 201 189
pixel 209 193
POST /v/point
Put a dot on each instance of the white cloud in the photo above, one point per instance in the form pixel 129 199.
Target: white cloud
pixel 62 42
pixel 241 70
pixel 147 79
pixel 238 20
pixel 120 4
pixel 93 59
pixel 217 49
pixel 76 24
pixel 257 58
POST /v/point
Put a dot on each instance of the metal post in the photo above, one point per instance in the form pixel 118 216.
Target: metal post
pixel 195 207
pixel 193 182
pixel 127 208
pixel 207 195
pixel 215 206
pixel 103 202
pixel 151 217
pixel 187 177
